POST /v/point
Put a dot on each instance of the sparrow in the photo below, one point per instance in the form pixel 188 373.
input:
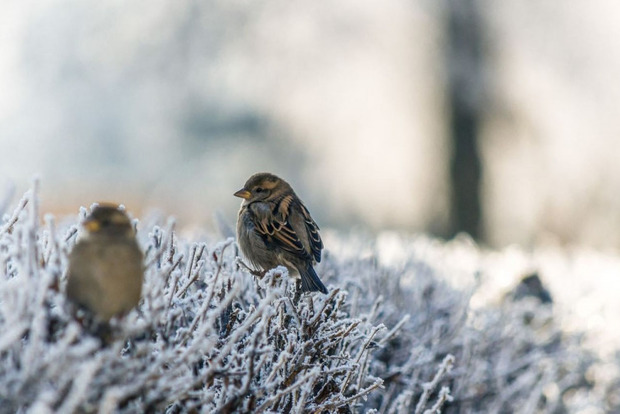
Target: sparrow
pixel 105 270
pixel 275 228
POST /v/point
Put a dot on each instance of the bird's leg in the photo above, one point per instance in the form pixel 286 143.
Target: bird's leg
pixel 298 291
pixel 105 332
pixel 258 273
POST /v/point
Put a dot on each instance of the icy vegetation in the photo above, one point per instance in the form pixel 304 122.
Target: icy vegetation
pixel 405 328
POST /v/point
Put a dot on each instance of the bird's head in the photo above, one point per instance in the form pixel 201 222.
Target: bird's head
pixel 107 219
pixel 263 187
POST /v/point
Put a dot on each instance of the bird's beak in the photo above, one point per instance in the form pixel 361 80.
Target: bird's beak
pixel 243 193
pixel 91 225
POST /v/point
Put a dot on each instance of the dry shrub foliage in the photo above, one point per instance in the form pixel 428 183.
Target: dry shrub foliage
pixel 209 337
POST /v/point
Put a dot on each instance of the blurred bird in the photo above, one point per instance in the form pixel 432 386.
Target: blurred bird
pixel 531 286
pixel 275 228
pixel 105 266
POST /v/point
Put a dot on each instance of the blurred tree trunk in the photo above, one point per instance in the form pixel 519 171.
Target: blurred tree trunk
pixel 465 99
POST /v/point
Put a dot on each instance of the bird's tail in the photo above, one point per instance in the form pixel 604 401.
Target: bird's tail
pixel 310 282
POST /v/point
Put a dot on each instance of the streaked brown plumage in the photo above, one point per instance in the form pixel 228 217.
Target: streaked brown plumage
pixel 275 228
pixel 105 266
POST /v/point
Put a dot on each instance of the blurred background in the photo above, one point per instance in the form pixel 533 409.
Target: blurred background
pixel 500 119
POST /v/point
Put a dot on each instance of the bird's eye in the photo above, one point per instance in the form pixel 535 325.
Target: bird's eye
pixel 259 189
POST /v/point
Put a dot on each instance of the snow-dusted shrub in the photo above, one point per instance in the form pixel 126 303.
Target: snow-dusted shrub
pixel 512 357
pixel 209 337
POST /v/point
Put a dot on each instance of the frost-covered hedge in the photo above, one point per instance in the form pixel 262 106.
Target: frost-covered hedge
pixel 209 337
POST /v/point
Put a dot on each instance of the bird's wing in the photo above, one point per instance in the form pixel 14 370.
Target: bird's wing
pixel 277 229
pixel 316 244
pixel 82 284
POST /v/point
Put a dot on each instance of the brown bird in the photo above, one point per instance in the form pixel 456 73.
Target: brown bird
pixel 105 266
pixel 275 228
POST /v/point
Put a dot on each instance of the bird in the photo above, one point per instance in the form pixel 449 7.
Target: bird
pixel 532 286
pixel 275 228
pixel 105 271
